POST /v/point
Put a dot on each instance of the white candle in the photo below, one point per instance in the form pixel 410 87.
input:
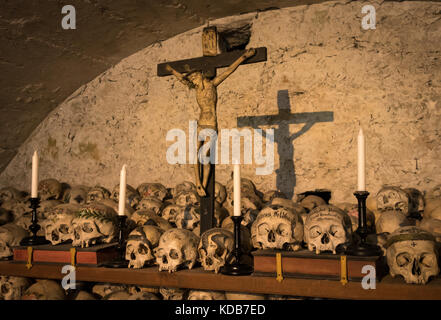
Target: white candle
pixel 122 191
pixel 237 205
pixel 361 162
pixel 34 185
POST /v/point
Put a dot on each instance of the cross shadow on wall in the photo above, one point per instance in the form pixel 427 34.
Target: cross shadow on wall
pixel 285 175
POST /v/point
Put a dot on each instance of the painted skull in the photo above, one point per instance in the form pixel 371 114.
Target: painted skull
pixel 173 293
pixel 140 245
pixel 186 198
pixel 143 217
pixel 215 248
pixel 184 186
pixel 10 236
pixel 311 201
pixel 50 189
pixel 327 228
pixel 277 227
pixel 94 223
pixel 271 194
pixel 150 203
pixel 189 219
pixel 170 212
pixel 103 289
pixel 155 190
pixel 12 288
pixel 205 295
pixel 132 196
pixel 76 195
pixel 220 192
pixel 393 198
pixel 97 194
pixel 58 224
pixel 412 253
pixel 178 248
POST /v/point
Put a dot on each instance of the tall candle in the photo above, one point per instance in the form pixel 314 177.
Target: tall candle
pixel 237 204
pixel 361 162
pixel 34 185
pixel 122 191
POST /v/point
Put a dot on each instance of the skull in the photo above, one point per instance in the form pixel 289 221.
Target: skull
pixel 215 248
pixel 220 192
pixel 50 189
pixel 433 226
pixel 140 245
pixel 76 195
pixel 352 210
pixel 173 293
pixel 131 195
pixel 117 295
pixel 310 202
pixel 10 193
pixel 58 224
pixel 411 253
pixel 143 217
pixel 186 198
pixel 143 296
pixel 6 216
pixel 433 208
pixel 387 223
pixel 150 203
pixel 46 207
pixel 154 190
pixel 246 186
pixel 12 288
pixel 277 227
pixel 26 220
pixel 44 290
pixel 220 214
pixel 97 194
pixel 128 211
pixel 10 236
pixel 18 208
pixel 244 296
pixel 170 212
pixel 393 198
pixel 104 289
pixel 177 249
pixel 205 295
pixel 84 295
pixel 327 228
pixel 270 195
pixel 94 223
pixel 189 219
pixel 184 186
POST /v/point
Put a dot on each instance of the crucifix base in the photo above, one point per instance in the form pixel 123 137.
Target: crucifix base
pixel 207 203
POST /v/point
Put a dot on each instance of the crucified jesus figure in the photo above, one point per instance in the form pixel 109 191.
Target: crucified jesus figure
pixel 206 97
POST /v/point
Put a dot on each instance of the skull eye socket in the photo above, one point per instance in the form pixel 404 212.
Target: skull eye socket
pixel 428 259
pixel 5 288
pixel 315 232
pixel 336 231
pixel 400 206
pixel 403 259
pixel 174 254
pixel 87 228
pixel 283 230
pixel 64 229
pixel 264 228
pixel 142 249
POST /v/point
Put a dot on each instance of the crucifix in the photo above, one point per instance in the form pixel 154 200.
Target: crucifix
pixel 283 138
pixel 200 74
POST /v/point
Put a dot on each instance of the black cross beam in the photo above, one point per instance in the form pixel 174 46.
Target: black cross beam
pixel 283 138
pixel 208 65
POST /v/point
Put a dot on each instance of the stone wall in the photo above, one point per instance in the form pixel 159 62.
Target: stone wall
pixel 320 61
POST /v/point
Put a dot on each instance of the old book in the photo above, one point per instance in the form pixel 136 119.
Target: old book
pixel 92 256
pixel 307 264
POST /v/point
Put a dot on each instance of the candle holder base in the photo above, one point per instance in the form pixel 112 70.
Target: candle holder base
pixel 364 250
pixel 237 269
pixel 34 241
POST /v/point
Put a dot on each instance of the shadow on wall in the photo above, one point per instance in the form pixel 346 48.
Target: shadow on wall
pixel 283 138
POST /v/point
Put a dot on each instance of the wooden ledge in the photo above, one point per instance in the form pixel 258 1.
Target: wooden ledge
pixel 387 289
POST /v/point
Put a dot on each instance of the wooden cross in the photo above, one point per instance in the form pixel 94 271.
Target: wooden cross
pixel 208 65
pixel 283 137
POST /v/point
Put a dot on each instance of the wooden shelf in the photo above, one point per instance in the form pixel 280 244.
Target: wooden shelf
pixel 388 288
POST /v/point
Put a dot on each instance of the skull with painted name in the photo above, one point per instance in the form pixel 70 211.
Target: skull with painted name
pixel 277 227
pixel 93 224
pixel 12 288
pixel 154 190
pixel 10 236
pixel 215 248
pixel 140 245
pixel 327 228
pixel 150 203
pixel 178 248
pixel 393 198
pixel 57 226
pixel 412 253
pixel 50 189
pixel 97 194
pixel 186 198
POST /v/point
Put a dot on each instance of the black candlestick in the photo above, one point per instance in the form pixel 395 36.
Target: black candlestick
pixel 237 268
pixel 34 227
pixel 121 247
pixel 361 247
